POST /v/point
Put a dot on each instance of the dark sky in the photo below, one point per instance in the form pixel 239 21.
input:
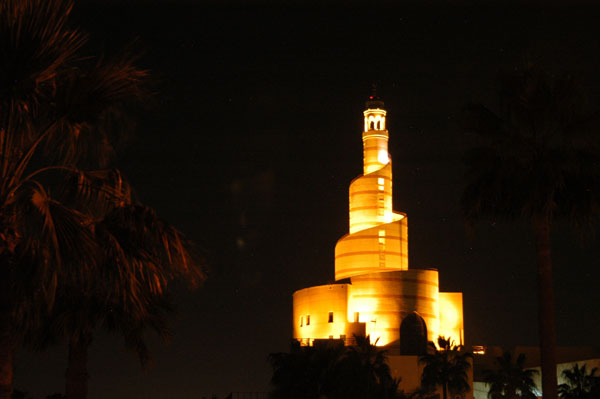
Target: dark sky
pixel 254 137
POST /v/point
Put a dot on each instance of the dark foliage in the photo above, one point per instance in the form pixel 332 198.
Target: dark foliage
pixel 537 158
pixel 332 371
pixel 77 250
pixel 580 384
pixel 447 368
pixel 509 380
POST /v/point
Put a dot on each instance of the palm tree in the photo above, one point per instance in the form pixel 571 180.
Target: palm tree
pixel 20 395
pixel 580 384
pixel 308 372
pixel 330 370
pixel 82 315
pixel 368 374
pixel 509 380
pixel 140 256
pixel 537 162
pixel 58 110
pixel 446 367
pixel 136 256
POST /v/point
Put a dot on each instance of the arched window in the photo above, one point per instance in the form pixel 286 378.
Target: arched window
pixel 372 126
pixel 413 335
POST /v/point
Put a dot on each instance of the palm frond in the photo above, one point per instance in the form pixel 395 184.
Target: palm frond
pixel 446 367
pixel 91 105
pixel 86 255
pixel 35 45
pixel 537 155
pixel 96 192
pixel 54 236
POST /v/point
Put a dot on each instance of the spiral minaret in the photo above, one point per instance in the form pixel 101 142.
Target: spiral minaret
pixel 397 307
pixel 377 240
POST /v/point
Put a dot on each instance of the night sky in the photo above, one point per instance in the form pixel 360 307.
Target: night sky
pixel 251 141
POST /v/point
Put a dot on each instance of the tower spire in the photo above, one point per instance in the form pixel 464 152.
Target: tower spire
pixel 374 101
pixel 375 135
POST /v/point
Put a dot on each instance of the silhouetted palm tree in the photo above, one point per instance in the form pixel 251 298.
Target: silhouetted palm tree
pixel 308 372
pixel 446 367
pixel 59 110
pixel 538 160
pixel 509 380
pixel 580 384
pixel 367 375
pixel 125 293
pixel 16 394
pixel 330 370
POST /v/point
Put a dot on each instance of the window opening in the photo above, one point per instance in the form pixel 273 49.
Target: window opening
pixel 380 204
pixel 381 248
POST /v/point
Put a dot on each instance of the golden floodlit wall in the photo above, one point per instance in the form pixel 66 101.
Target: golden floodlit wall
pixel 382 291
pixel 382 300
pixel 320 312
pixel 371 199
pixel 451 316
pixel 381 248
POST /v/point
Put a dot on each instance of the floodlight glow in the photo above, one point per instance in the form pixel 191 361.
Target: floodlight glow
pixel 382 157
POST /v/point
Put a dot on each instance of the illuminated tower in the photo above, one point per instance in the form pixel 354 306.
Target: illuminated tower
pixel 378 235
pixel 399 307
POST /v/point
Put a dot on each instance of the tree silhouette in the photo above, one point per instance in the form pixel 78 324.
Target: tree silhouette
pixel 509 380
pixel 305 372
pixel 367 375
pixel 142 254
pixel 538 160
pixel 61 111
pixel 446 367
pixel 330 370
pixel 580 384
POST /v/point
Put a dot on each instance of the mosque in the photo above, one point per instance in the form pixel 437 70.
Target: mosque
pixel 376 293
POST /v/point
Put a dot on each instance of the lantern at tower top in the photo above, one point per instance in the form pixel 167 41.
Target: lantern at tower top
pixel 374 101
pixel 375 135
pixel 374 114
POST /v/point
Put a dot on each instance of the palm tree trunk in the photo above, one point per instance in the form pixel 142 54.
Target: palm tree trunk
pixel 76 382
pixel 547 329
pixel 7 341
pixel 6 353
pixel 445 390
